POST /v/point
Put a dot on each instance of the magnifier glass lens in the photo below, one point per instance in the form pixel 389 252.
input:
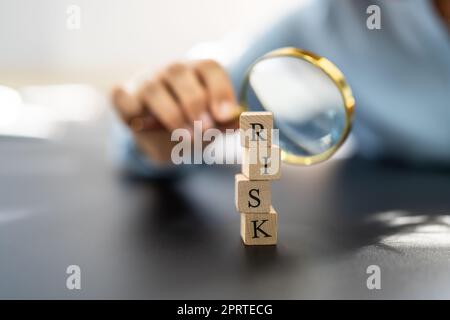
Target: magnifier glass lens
pixel 308 106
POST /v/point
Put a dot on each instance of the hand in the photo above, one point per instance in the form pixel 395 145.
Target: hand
pixel 174 98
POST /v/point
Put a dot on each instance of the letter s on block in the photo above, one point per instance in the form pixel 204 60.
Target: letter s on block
pixel 251 194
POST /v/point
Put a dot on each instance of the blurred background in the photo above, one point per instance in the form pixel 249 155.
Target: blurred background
pixel 116 37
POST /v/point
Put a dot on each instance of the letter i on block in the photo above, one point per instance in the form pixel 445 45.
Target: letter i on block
pixel 261 163
pixel 259 228
pixel 256 129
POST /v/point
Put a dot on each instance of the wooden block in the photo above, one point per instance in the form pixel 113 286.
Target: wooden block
pixel 259 228
pixel 256 128
pixel 252 196
pixel 261 163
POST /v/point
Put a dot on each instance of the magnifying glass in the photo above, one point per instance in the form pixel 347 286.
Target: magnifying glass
pixel 311 102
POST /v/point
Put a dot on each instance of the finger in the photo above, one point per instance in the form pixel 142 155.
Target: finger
pixel 159 102
pixel 132 112
pixel 145 123
pixel 221 97
pixel 189 92
pixel 126 105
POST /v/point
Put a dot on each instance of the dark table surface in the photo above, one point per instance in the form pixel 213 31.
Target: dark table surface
pixel 64 202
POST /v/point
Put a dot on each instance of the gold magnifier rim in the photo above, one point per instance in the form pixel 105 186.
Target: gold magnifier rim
pixel 334 74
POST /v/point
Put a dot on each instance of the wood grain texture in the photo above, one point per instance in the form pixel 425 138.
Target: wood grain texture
pixel 261 163
pixel 256 129
pixel 259 228
pixel 252 196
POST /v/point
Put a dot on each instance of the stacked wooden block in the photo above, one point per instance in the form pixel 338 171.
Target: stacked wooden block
pixel 260 164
